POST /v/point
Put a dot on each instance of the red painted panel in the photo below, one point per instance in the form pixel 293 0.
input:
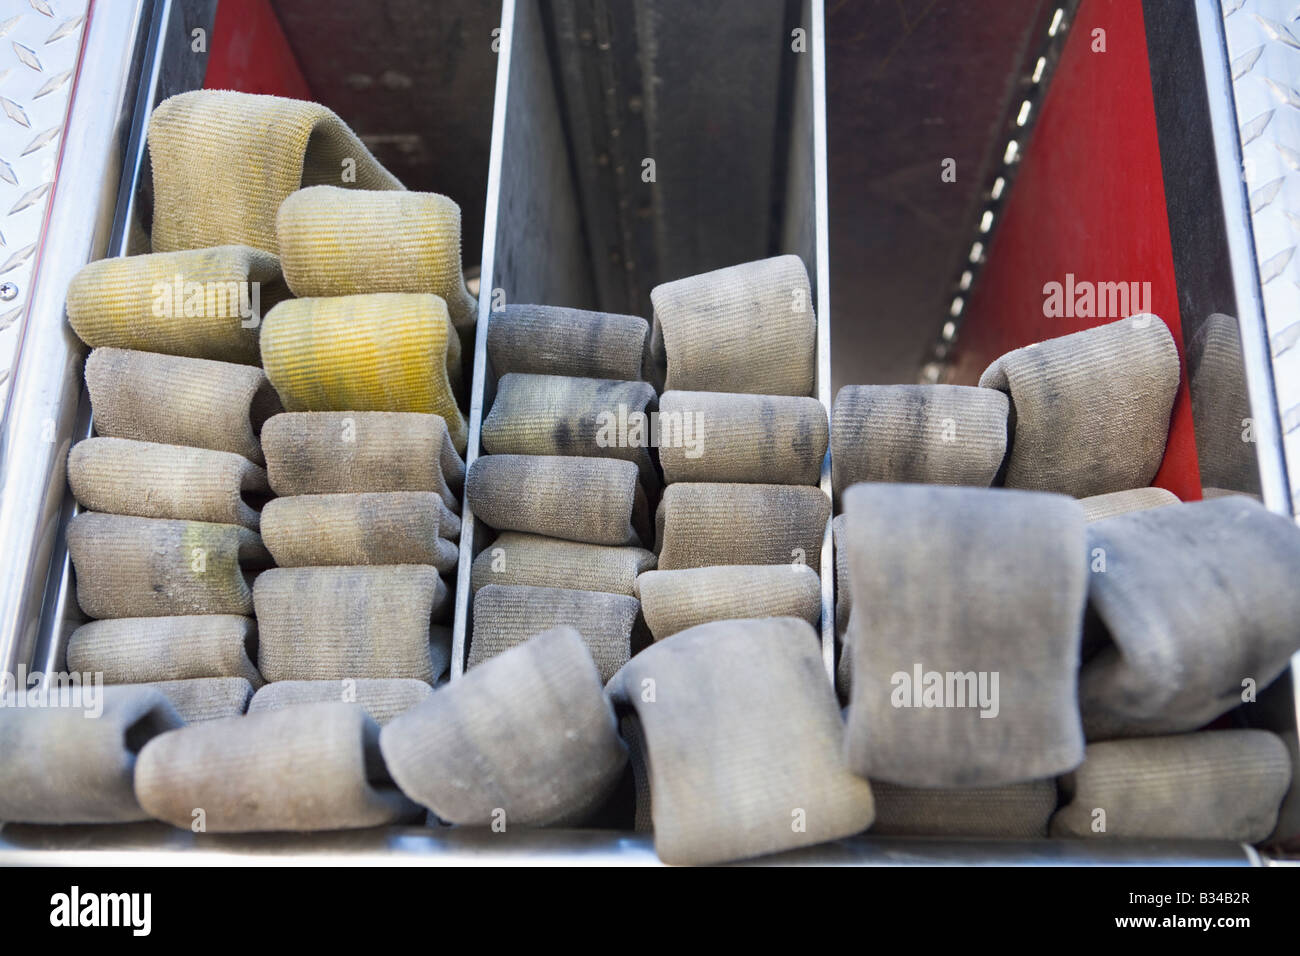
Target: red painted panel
pixel 1088 201
pixel 249 52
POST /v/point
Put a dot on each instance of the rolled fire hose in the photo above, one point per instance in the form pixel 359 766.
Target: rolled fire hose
pixel 925 434
pixel 743 739
pixel 331 623
pixel 552 340
pixel 1194 609
pixel 1216 785
pixel 745 328
pixel 172 400
pixel 63 766
pixel 594 500
pixel 314 453
pixel 506 616
pixel 965 666
pixel 148 480
pixel 389 527
pixel 382 698
pixel 532 559
pixel 199 699
pixel 586 417
pixel 726 437
pixel 1089 411
pixel 384 352
pixel 201 303
pixel 312 767
pixel 155 567
pixel 708 524
pixel 485 751
pixel 673 601
pixel 224 162
pixel 133 650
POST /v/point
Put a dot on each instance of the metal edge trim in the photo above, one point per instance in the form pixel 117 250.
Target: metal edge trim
pixel 59 590
pixel 1241 250
pixel 153 844
pixel 1247 285
pixel 42 400
pixel 817 9
pixel 460 622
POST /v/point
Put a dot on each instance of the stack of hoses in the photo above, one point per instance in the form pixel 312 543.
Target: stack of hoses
pixel 1035 639
pixel 569 493
pixel 257 200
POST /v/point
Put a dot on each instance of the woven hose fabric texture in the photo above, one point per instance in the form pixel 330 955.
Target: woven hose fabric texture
pixel 745 328
pixel 1216 377
pixel 518 558
pixel 743 742
pixel 924 434
pixel 384 352
pixel 707 524
pixel 551 340
pixel 558 415
pixel 201 303
pixel 332 623
pixel 673 601
pixel 382 698
pixel 311 767
pixel 505 616
pixel 593 500
pixel 629 728
pixel 1019 811
pixel 726 437
pixel 1089 411
pixel 63 766
pixel 223 162
pixel 198 699
pixel 174 400
pixel 440 637
pixel 843 608
pixel 391 527
pixel 965 635
pixel 1216 785
pixel 843 593
pixel 528 735
pixel 154 567
pixel 145 649
pixel 1122 502
pixel 148 480
pixel 312 453
pixel 1194 608
pixel 337 242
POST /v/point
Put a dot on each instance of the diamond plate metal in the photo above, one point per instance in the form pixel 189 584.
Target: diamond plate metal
pixel 1263 41
pixel 39 45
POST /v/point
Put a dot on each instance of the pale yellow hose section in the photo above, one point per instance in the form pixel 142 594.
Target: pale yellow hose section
pixel 337 241
pixel 385 352
pixel 200 303
pixel 223 162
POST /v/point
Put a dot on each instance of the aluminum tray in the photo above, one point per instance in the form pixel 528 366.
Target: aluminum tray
pixel 553 203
